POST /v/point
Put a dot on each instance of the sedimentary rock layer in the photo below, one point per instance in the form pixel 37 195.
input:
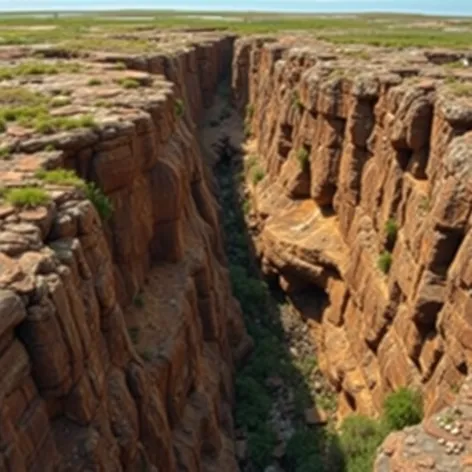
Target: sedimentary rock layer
pixel 118 337
pixel 367 155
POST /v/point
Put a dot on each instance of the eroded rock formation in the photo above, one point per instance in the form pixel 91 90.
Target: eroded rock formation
pixel 366 157
pixel 119 336
pixel 90 381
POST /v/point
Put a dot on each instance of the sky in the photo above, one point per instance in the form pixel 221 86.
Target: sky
pixel 441 7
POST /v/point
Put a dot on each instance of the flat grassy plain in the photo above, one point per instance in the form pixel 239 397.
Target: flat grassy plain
pixel 380 30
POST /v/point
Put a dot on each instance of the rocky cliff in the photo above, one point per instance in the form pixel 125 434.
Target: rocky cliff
pixel 118 333
pixel 360 185
pixel 118 330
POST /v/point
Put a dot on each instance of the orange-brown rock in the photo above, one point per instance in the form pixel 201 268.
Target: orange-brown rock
pixel 118 338
pixel 388 144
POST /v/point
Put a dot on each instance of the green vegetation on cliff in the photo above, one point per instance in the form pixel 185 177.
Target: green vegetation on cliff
pixel 309 448
pixel 85 31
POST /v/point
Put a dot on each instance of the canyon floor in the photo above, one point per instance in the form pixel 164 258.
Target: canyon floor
pixel 235 244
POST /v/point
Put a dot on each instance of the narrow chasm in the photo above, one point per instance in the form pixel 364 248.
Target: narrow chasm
pixel 270 275
pixel 284 408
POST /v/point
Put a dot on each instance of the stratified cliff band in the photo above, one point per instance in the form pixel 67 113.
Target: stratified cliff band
pixel 119 334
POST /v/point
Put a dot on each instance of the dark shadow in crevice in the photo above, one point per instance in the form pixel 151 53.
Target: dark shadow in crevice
pixel 263 302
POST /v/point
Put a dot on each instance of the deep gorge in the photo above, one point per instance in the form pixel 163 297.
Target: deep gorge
pixel 289 243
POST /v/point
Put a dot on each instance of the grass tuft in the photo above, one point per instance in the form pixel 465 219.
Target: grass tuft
pixel 391 230
pixel 94 81
pixel 179 108
pixel 129 83
pixel 303 158
pixel 60 177
pixel 384 262
pixel 101 202
pixel 257 175
pixel 29 197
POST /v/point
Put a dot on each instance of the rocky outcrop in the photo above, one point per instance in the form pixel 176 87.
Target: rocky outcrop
pixel 441 442
pixel 366 157
pixel 118 337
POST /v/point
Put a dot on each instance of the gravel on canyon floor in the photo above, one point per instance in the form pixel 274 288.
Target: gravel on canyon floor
pixel 299 401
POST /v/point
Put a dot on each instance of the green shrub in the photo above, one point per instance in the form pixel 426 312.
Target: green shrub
pixel 253 402
pixel 303 158
pixel 27 197
pixel 94 81
pixel 3 125
pixel 257 175
pixel 85 121
pixel 129 83
pixel 251 292
pixel 24 114
pixel 60 177
pixel 16 96
pixel 119 66
pixel 46 124
pixel 28 68
pixel 403 408
pixel 384 262
pixel 304 452
pixel 138 300
pixel 306 365
pixel 391 229
pixel 261 443
pixel 179 108
pixel 359 438
pixel 5 153
pixel 101 202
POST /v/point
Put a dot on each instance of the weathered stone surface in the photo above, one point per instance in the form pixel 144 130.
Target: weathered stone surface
pixel 90 377
pixel 441 442
pixel 386 228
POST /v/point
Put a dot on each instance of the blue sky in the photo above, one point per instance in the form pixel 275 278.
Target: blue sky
pixel 452 7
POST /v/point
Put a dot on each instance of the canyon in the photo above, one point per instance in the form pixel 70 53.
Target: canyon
pixel 120 336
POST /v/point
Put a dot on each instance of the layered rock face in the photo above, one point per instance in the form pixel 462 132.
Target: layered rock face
pixel 118 337
pixel 367 194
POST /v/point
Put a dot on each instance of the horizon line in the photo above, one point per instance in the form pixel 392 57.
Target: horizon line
pixel 25 11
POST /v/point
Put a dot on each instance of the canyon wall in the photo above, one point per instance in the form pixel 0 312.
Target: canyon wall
pixel 118 337
pixel 366 158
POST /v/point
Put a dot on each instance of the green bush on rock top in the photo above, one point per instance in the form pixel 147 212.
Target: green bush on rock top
pixel 27 197
pixel 360 436
pixel 403 408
